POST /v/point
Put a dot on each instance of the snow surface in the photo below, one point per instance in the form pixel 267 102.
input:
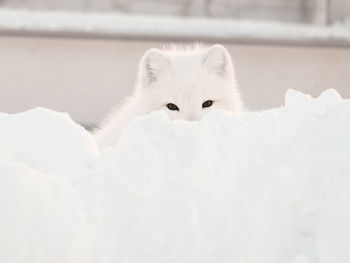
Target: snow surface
pixel 174 27
pixel 266 187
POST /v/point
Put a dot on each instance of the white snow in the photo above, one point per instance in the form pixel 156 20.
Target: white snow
pixel 110 24
pixel 265 187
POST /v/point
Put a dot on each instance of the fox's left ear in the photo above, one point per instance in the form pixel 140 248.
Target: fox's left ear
pixel 218 59
pixel 151 66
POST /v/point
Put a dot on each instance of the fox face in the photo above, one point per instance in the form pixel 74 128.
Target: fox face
pixel 188 84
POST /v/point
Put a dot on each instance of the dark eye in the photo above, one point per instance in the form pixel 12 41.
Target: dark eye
pixel 207 104
pixel 172 106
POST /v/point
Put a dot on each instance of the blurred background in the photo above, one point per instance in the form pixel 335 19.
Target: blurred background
pixel 80 56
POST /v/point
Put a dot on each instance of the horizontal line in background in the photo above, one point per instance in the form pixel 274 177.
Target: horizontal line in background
pixel 168 28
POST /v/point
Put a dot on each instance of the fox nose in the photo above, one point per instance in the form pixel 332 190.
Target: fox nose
pixel 192 117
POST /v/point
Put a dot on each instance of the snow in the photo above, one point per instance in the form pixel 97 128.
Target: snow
pixel 51 134
pixel 144 27
pixel 265 187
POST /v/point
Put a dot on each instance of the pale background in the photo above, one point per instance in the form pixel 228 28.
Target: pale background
pixel 87 73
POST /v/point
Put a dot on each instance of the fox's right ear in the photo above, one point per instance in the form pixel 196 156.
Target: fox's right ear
pixel 218 60
pixel 151 66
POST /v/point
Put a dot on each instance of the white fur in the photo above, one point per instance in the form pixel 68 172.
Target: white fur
pixel 187 78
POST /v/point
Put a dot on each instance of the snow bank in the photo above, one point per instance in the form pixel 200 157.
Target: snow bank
pixel 269 186
pixel 45 140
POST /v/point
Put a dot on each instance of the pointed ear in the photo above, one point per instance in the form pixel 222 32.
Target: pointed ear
pixel 218 60
pixel 151 65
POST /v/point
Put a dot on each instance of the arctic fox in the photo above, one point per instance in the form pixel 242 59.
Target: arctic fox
pixel 186 83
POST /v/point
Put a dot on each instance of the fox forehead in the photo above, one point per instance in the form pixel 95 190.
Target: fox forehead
pixel 186 69
pixel 184 66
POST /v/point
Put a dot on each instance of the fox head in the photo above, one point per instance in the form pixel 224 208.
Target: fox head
pixel 188 84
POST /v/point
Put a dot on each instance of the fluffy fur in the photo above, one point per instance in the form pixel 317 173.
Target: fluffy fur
pixel 185 77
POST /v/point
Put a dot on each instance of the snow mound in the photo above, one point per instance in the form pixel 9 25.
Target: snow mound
pixel 269 186
pixel 45 140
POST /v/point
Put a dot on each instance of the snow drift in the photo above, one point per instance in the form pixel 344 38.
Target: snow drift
pixel 269 186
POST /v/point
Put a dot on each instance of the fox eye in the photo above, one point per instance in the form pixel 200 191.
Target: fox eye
pixel 172 106
pixel 207 104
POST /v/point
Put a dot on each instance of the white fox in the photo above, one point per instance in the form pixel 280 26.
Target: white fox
pixel 186 83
